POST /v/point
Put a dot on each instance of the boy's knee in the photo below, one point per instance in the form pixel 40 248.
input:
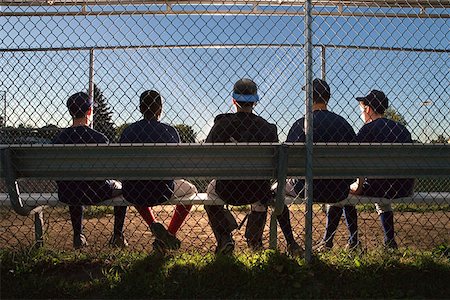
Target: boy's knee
pixel 258 207
pixel 383 207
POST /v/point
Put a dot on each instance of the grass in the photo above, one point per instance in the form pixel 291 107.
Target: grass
pixel 98 211
pixel 402 207
pixel 269 274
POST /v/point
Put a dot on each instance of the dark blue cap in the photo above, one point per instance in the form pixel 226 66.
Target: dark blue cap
pixel 377 100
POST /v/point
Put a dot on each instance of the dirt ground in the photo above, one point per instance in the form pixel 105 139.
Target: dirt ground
pixel 422 231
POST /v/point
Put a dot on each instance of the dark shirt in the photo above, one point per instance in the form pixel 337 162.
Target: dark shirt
pixel 148 192
pixel 82 192
pixel 242 128
pixel 386 131
pixel 327 127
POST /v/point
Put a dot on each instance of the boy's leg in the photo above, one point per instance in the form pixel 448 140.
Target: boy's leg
pixel 222 223
pixel 183 189
pixel 386 214
pixel 146 214
pixel 351 219
pixel 285 224
pixel 120 212
pixel 334 213
pixel 119 219
pixel 76 218
pixel 255 225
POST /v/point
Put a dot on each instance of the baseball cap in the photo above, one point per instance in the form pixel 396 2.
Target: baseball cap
pixel 320 88
pixel 377 100
pixel 79 103
pixel 245 90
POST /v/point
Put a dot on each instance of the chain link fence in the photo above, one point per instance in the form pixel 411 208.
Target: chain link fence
pixel 192 53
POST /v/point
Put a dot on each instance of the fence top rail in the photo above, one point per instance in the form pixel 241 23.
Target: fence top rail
pixel 211 46
pixel 432 9
pixel 339 3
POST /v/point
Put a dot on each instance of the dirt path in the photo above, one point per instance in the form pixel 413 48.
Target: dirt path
pixel 416 230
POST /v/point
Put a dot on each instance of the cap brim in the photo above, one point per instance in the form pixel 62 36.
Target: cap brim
pixel 359 99
pixel 245 98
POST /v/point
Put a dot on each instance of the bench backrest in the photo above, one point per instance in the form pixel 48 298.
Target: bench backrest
pixel 160 161
pixel 224 161
pixel 372 160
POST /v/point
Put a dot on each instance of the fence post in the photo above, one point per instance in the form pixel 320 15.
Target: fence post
pixel 323 53
pixel 308 130
pixel 91 81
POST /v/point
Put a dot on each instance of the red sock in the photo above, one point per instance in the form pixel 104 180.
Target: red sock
pixel 181 212
pixel 146 213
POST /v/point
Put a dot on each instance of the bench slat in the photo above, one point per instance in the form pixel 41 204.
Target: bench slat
pixel 51 199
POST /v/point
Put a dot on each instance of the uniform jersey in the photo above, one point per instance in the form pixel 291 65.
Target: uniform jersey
pixel 148 192
pixel 242 128
pixel 386 131
pixel 327 127
pixel 82 192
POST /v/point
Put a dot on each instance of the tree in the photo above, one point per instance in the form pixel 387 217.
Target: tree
pixel 187 134
pixel 440 139
pixel 102 116
pixel 392 114
pixel 120 129
pixel 48 131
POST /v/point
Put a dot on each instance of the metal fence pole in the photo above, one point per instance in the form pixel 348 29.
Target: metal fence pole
pixel 3 116
pixel 91 80
pixel 308 130
pixel 323 53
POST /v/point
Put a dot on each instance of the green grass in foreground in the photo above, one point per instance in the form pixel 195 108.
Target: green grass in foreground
pixel 52 274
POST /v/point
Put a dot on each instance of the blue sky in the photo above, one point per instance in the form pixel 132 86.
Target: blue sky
pixel 196 83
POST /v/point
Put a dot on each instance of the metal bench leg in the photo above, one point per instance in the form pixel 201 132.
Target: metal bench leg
pixel 281 193
pixel 39 228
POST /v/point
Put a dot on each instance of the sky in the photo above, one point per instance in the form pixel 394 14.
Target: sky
pixel 196 83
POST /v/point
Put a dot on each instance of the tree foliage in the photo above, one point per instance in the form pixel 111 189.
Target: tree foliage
pixel 28 134
pixel 441 139
pixel 187 134
pixel 102 115
pixel 392 114
pixel 120 129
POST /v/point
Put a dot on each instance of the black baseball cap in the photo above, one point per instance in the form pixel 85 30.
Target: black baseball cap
pixel 377 100
pixel 78 104
pixel 320 89
pixel 245 90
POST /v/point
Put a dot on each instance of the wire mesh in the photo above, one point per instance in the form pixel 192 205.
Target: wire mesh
pixel 192 54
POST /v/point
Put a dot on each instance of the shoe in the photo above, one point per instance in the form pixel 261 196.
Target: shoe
pixel 355 247
pixel 391 245
pixel 158 247
pixel 294 250
pixel 255 245
pixel 168 240
pixel 118 241
pixel 225 245
pixel 322 247
pixel 79 241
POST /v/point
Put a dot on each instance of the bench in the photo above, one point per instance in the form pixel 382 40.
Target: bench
pixel 206 161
